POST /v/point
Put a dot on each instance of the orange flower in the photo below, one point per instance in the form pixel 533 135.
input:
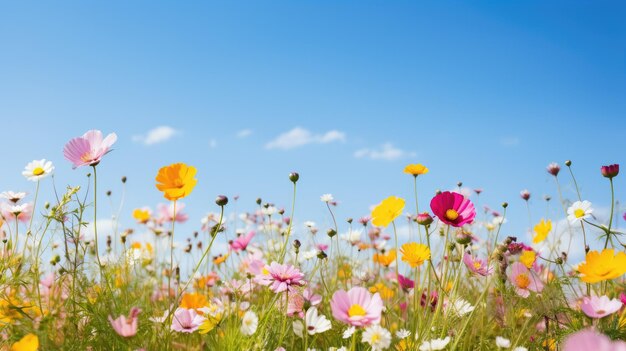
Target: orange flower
pixel 385 259
pixel 176 180
pixel 142 215
pixel 193 300
pixel 220 259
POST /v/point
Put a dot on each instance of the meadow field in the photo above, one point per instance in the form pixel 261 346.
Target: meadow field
pixel 453 282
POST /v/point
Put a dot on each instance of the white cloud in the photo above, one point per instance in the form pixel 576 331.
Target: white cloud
pixel 244 133
pixel 299 137
pixel 386 152
pixel 156 135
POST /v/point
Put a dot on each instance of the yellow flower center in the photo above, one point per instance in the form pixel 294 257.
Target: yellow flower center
pixel 375 338
pixel 452 214
pixel 579 212
pixel 522 281
pixel 38 171
pixel 477 265
pixel 356 310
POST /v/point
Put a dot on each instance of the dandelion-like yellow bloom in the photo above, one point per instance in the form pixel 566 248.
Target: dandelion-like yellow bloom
pixel 193 300
pixel 541 231
pixel 385 259
pixel 388 210
pixel 601 266
pixel 528 257
pixel 385 292
pixel 30 342
pixel 176 180
pixel 415 169
pixel 415 254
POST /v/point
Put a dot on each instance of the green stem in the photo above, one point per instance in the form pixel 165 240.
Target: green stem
pixel 608 232
pixel 293 208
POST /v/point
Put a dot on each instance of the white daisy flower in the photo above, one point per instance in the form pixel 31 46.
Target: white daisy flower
pixel 502 342
pixel 327 198
pixel 377 337
pixel 578 211
pixel 435 344
pixel 460 307
pixel 352 236
pixel 403 334
pixel 249 323
pixel 309 224
pixel 269 210
pixel 38 169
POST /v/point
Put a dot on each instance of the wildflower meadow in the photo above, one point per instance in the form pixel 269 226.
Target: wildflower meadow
pixel 454 282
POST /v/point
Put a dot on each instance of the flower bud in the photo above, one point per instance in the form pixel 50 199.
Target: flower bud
pixel 525 194
pixel 554 169
pixel 124 179
pixel 505 204
pixel 424 219
pixel 321 255
pixel 568 163
pixel 221 200
pixel 331 232
pixel 294 176
pixel 610 171
pixel 297 244
pixel 258 200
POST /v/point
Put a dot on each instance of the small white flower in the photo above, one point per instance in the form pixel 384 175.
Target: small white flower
pixel 314 323
pixel 12 196
pixel 520 348
pixel 502 342
pixel 249 323
pixel 309 224
pixel 499 220
pixel 460 307
pixel 435 344
pixel 38 169
pixel 403 334
pixel 352 236
pixel 348 332
pixel 578 211
pixel 377 337
pixel 327 198
pixel 269 210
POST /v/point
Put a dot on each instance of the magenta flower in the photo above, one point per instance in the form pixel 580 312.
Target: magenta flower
pixel 453 208
pixel 590 339
pixel 524 280
pixel 609 171
pixel 242 241
pixel 477 265
pixel 126 327
pixel 405 283
pixel 88 149
pixel 280 277
pixel 186 320
pixel 166 213
pixel 599 307
pixel 356 307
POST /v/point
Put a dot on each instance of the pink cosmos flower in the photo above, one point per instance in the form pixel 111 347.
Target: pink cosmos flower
pixel 299 303
pixel 126 327
pixel 598 307
pixel 242 241
pixel 477 265
pixel 88 149
pixel 356 307
pixel 524 280
pixel 166 213
pixel 610 171
pixel 280 277
pixel 324 247
pixel 622 297
pixel 453 208
pixel 590 339
pixel 186 320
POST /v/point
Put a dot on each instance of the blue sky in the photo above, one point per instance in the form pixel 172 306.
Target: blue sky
pixel 486 92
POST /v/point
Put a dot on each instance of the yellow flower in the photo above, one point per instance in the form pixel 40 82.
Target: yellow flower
pixel 602 266
pixel 385 259
pixel 416 169
pixel 193 301
pixel 217 260
pixel 415 254
pixel 30 342
pixel 384 291
pixel 176 180
pixel 528 257
pixel 210 323
pixel 541 231
pixel 388 210
pixel 141 215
